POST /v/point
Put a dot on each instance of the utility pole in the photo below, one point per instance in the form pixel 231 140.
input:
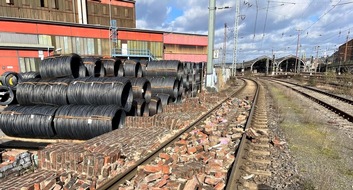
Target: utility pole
pixel 211 23
pixel 317 57
pixel 224 48
pixel 235 49
pixel 346 48
pixel 296 54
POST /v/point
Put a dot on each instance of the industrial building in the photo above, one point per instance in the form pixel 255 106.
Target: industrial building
pixel 33 30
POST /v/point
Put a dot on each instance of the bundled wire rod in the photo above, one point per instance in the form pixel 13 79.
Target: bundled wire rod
pixel 87 121
pixel 101 91
pixel 30 75
pixel 7 96
pixel 165 68
pixel 132 68
pixel 113 67
pixel 186 81
pixel 141 88
pixel 164 85
pixel 94 66
pixel 28 121
pixel 10 79
pixel 61 66
pixel 43 91
pixel 180 87
pixel 83 71
pixel 179 99
pixel 165 99
pixel 192 78
pixel 155 106
pixel 139 108
pixel 186 68
pixel 143 64
pixel 198 76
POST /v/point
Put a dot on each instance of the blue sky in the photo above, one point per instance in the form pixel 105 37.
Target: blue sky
pixel 323 23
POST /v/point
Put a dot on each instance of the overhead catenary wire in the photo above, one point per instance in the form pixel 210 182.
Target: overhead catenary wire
pixel 101 91
pixel 61 66
pixel 87 121
pixel 28 121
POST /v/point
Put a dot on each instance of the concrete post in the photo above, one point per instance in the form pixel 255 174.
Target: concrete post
pixel 211 23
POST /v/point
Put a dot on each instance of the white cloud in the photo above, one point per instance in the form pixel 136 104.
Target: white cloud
pixel 322 23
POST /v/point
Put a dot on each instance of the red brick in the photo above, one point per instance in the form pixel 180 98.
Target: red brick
pixel 211 180
pixel 192 150
pixel 164 156
pixel 152 168
pixel 166 169
pixel 153 177
pixel 220 186
pixel 191 184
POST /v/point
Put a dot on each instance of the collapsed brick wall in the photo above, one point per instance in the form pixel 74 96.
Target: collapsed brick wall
pixel 89 164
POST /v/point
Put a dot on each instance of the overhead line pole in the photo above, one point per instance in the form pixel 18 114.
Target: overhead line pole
pixel 235 48
pixel 211 23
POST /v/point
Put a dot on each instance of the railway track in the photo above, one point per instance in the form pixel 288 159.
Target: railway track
pixel 251 166
pixel 228 131
pixel 337 104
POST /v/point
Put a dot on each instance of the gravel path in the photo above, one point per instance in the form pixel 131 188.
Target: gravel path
pixel 320 154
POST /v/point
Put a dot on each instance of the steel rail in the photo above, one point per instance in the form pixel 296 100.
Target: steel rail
pixel 321 91
pixel 131 172
pixel 234 174
pixel 338 111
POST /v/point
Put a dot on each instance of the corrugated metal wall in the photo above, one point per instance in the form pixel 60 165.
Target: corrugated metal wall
pixel 62 10
pixel 18 38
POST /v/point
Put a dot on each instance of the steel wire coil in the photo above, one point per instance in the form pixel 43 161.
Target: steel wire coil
pixel 28 121
pixel 164 85
pixel 139 108
pixel 94 66
pixel 30 75
pixel 43 91
pixel 83 71
pixel 165 99
pixel 113 67
pixel 132 68
pixel 165 68
pixel 10 79
pixel 155 106
pixel 186 81
pixel 7 96
pixel 87 121
pixel 141 88
pixel 61 66
pixel 143 64
pixel 180 87
pixel 101 91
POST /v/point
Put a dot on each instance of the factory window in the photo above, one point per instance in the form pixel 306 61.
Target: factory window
pixel 126 13
pixel 43 3
pixel 55 4
pixel 115 11
pixel 25 2
pixel 29 64
pixel 9 2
